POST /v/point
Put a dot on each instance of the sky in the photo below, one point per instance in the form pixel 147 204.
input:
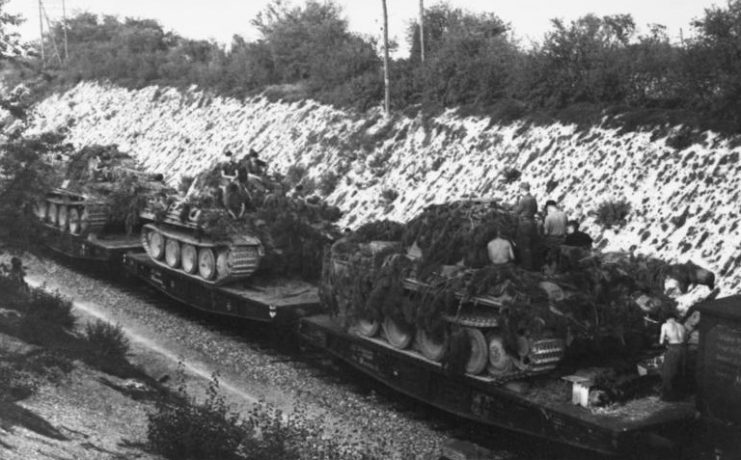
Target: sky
pixel 221 19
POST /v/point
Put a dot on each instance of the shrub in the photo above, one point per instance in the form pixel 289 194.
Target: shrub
pixel 295 174
pixel 611 213
pixel 389 195
pixel 328 182
pixel 107 340
pixel 51 308
pixel 510 175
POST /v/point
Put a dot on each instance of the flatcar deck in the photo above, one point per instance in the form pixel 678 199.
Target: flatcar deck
pixel 276 300
pixel 541 407
pixel 106 248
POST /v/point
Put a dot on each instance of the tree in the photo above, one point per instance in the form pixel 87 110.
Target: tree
pixel 714 61
pixel 10 45
pixel 312 43
pixel 582 61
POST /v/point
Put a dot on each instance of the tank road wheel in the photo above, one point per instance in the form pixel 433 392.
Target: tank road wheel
pixel 206 263
pixel 41 208
pixel 500 362
pixel 53 211
pixel 479 351
pixel 156 245
pixel 75 226
pixel 398 334
pixel 223 263
pixel 432 346
pixel 367 327
pixel 172 253
pixel 189 258
pixel 63 217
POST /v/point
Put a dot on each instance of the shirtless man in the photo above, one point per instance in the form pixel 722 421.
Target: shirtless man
pixel 674 334
pixel 500 250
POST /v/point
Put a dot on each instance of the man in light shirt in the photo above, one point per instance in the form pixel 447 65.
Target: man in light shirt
pixel 555 221
pixel 674 334
pixel 500 250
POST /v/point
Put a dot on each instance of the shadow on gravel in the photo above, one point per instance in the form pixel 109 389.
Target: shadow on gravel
pixel 13 415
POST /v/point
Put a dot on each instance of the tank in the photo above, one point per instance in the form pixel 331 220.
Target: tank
pixel 100 191
pixel 226 228
pixel 179 242
pixel 427 288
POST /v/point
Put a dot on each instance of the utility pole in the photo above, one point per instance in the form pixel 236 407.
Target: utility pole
pixel 387 95
pixel 64 28
pixel 41 34
pixel 422 30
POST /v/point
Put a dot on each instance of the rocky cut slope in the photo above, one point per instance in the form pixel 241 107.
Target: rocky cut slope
pixel 684 201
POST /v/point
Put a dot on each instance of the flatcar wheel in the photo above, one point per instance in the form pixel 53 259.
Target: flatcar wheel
pixel 223 264
pixel 398 334
pixel 479 351
pixel 41 208
pixel 172 253
pixel 53 211
pixel 156 245
pixel 500 362
pixel 62 218
pixel 206 263
pixel 367 327
pixel 432 345
pixel 189 258
pixel 74 220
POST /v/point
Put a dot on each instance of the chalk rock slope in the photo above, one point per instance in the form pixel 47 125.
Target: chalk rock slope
pixel 685 202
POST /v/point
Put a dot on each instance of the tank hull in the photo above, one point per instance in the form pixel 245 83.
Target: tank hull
pixel 481 400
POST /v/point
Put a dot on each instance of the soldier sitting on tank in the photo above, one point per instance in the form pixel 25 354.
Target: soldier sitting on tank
pixel 234 200
pixel 575 237
pixel 500 250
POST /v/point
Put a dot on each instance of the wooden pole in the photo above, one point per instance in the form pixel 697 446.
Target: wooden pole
pixel 64 26
pixel 422 30
pixel 387 95
pixel 41 34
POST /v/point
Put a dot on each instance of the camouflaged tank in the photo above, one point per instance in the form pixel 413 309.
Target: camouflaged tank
pixel 98 192
pixel 359 271
pixel 178 241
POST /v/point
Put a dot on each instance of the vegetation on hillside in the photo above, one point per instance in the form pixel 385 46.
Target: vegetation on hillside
pixel 578 70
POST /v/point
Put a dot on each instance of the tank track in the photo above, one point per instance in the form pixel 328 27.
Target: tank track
pixel 228 261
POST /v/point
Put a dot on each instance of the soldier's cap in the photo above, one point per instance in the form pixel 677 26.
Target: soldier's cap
pixel 524 186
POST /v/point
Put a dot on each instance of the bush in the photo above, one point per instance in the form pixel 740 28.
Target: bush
pixel 51 308
pixel 328 182
pixel 389 195
pixel 107 340
pixel 510 175
pixel 611 213
pixel 295 174
pixel 185 430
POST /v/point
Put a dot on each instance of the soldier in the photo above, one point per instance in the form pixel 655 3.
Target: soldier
pixel 525 210
pixel 674 334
